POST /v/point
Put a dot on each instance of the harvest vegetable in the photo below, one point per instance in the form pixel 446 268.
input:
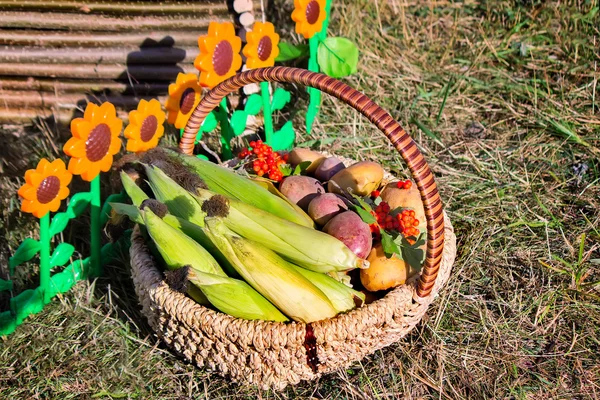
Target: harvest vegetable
pixel 360 179
pixel 410 198
pixel 384 273
pixel 272 276
pixel 300 155
pixel 352 231
pixel 328 168
pixel 301 190
pixel 326 206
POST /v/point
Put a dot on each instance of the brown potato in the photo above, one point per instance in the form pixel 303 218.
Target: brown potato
pixel 350 229
pixel 384 273
pixel 326 206
pixel 300 155
pixel 301 190
pixel 405 198
pixel 360 178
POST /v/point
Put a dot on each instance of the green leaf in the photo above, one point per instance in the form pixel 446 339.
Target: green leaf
pixel 366 216
pixel 284 138
pixel 210 123
pixel 26 251
pixel 300 168
pixel 289 52
pixel 412 253
pixel 390 247
pixel 337 57
pixel 286 169
pixel 362 202
pixel 61 254
pixel 253 104
pixel 5 285
pixel 280 98
pixel 238 122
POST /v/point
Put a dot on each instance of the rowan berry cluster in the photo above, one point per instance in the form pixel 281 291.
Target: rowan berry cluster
pixel 265 160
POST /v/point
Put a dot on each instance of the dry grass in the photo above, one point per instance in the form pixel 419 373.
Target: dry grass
pixel 502 98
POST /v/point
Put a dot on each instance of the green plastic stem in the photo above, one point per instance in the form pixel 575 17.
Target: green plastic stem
pixel 313 65
pixel 45 258
pixel 266 98
pixel 96 267
pixel 226 133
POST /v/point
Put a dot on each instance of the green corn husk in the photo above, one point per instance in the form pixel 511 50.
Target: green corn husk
pixel 271 276
pixel 306 247
pixel 192 230
pixel 177 249
pixel 234 297
pixel 230 184
pixel 135 193
pixel 341 296
pixel 179 201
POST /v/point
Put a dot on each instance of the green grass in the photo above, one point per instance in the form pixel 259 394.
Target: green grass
pixel 502 98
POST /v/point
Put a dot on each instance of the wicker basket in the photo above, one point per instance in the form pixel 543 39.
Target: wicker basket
pixel 273 355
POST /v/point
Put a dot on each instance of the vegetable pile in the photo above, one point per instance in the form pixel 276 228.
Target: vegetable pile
pixel 278 237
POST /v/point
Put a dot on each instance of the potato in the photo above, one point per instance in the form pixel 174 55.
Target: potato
pixel 405 198
pixel 300 190
pixel 361 178
pixel 350 229
pixel 328 168
pixel 384 273
pixel 300 155
pixel 325 206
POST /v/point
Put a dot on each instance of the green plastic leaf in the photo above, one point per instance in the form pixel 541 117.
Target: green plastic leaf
pixel 105 212
pixel 61 254
pixel 337 57
pixel 284 138
pixel 290 52
pixel 79 203
pixel 5 285
pixel 390 247
pixel 280 98
pixel 210 123
pixel 253 104
pixel 26 251
pixel 238 122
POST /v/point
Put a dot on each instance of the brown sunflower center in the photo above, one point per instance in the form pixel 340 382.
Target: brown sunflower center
pixel 148 128
pixel 312 12
pixel 265 46
pixel 187 100
pixel 98 143
pixel 48 189
pixel 222 57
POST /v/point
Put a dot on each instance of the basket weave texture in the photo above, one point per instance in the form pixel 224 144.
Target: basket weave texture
pixel 274 355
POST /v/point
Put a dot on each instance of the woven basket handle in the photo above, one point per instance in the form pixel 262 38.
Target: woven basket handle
pixel 383 120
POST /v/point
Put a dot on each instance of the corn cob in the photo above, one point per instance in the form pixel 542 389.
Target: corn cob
pixel 177 249
pixel 341 296
pixel 233 297
pixel 180 202
pixel 192 230
pixel 306 247
pixel 228 183
pixel 134 192
pixel 271 276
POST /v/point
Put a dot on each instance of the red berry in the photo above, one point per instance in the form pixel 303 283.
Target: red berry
pixel 407 184
pixel 375 194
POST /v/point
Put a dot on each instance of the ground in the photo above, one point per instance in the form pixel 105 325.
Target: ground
pixel 501 97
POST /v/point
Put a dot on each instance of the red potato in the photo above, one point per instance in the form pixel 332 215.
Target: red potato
pixel 328 168
pixel 326 206
pixel 350 229
pixel 300 190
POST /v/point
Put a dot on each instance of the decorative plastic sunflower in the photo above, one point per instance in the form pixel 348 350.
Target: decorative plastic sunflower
pixel 145 126
pixel 219 56
pixel 309 16
pixel 262 46
pixel 184 96
pixel 95 140
pixel 45 187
